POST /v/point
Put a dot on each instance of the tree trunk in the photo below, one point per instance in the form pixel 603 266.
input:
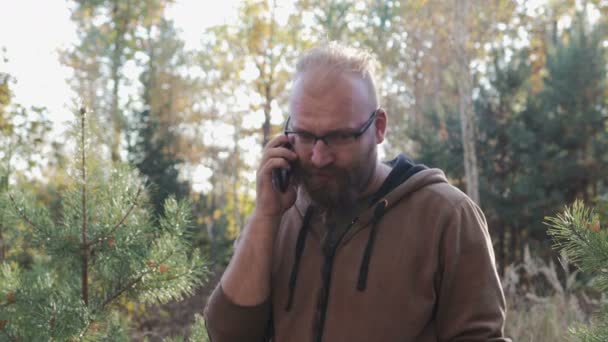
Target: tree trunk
pixel 268 96
pixel 211 233
pixel 120 22
pixel 116 119
pixel 515 247
pixel 467 120
pixel 1 245
pixel 235 178
pixel 267 108
pixel 501 248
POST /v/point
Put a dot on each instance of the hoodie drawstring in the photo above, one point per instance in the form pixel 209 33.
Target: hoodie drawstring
pixel 363 270
pixel 329 254
pixel 296 261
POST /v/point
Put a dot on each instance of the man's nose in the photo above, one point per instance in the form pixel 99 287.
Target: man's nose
pixel 321 154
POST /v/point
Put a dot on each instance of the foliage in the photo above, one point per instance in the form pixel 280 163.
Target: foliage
pixel 149 154
pixel 578 233
pixel 154 147
pixel 539 94
pixel 533 143
pixel 105 246
pixel 23 136
pixel 109 33
pixel 540 302
pixel 567 122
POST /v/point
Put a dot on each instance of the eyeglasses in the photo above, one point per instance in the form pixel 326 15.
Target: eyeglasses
pixel 335 138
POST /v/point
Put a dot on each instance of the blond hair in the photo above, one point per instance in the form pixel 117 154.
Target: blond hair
pixel 341 59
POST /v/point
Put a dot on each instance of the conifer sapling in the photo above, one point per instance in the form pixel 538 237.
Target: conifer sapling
pixel 106 245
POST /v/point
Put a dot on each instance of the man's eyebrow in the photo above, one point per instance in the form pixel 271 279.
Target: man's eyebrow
pixel 334 131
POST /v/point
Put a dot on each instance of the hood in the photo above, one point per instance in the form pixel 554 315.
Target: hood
pixel 405 178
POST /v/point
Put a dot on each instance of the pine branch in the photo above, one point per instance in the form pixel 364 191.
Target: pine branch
pixel 174 277
pixel 584 240
pixel 128 211
pixel 84 331
pixel 22 213
pixel 129 285
pixel 135 281
pixel 11 338
pixel 122 220
pixel 6 304
pixel 566 227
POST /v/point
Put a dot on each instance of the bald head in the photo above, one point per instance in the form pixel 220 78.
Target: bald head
pixel 329 62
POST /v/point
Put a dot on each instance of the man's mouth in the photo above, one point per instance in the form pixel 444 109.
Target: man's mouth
pixel 324 176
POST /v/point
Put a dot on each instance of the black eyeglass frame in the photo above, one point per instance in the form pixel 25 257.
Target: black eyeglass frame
pixel 355 134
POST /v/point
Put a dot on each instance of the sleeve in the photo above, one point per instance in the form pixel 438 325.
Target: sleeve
pixel 229 322
pixel 471 304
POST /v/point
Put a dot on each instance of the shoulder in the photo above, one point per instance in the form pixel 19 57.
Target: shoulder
pixel 439 196
pixel 441 205
pixel 446 194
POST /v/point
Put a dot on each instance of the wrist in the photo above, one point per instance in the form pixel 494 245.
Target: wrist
pixel 265 218
pixel 261 226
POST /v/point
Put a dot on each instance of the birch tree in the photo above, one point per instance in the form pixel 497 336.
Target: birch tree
pixel 467 117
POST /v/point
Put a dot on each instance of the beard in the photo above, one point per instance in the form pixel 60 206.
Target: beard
pixel 336 187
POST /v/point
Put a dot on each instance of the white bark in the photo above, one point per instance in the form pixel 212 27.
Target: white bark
pixel 467 119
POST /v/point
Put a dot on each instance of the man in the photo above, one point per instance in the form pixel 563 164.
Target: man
pixel 354 249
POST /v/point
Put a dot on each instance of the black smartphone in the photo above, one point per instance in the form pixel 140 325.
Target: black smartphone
pixel 281 176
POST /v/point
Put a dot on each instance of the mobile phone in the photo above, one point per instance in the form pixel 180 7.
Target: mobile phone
pixel 281 176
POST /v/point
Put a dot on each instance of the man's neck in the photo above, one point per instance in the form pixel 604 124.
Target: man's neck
pixel 377 178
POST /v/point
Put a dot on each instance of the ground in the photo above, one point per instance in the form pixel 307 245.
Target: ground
pixel 174 318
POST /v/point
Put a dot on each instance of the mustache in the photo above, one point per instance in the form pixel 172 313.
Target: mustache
pixel 308 170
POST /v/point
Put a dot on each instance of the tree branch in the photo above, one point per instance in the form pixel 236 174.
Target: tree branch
pixel 21 212
pixel 133 282
pixel 129 285
pixel 128 211
pixel 122 220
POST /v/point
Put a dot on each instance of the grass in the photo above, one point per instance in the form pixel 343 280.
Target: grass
pixel 542 304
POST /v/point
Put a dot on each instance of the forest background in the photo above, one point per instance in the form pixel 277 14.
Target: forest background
pixel 509 98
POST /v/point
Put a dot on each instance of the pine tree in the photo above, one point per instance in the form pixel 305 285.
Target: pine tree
pixel 156 147
pixel 578 232
pixel 542 147
pixel 149 155
pixel 105 246
pixel 506 148
pixel 570 117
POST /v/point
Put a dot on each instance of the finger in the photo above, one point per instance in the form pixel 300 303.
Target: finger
pixel 278 151
pixel 282 152
pixel 274 163
pixel 278 140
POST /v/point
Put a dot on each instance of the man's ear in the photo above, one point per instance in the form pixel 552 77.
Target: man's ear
pixel 380 126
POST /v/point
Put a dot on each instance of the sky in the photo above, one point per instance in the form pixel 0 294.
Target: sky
pixel 33 31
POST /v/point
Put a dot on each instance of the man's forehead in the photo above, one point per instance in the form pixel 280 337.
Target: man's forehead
pixel 318 80
pixel 329 90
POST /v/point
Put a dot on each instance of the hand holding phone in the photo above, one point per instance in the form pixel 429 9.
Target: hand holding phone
pixel 275 178
pixel 281 176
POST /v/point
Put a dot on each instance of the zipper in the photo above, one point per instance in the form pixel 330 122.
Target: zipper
pixel 329 252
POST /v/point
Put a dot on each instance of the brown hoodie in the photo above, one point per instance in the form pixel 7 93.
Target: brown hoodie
pixel 418 265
